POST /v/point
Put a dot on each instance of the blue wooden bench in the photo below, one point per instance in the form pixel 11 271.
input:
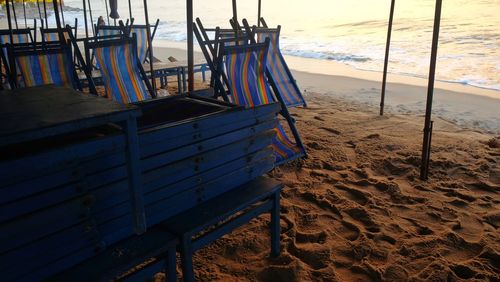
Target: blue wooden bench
pixel 247 202
pixel 134 259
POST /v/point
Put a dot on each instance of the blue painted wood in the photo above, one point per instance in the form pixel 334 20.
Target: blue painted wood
pixel 252 199
pixel 134 177
pixel 43 223
pixel 38 165
pixel 39 112
pixel 156 245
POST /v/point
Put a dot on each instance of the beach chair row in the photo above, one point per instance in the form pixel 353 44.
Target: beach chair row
pixel 65 201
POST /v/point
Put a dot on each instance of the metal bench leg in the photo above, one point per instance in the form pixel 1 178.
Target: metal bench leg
pixel 187 259
pixel 171 271
pixel 275 226
pixel 179 80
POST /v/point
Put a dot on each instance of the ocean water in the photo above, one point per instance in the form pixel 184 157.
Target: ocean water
pixel 354 32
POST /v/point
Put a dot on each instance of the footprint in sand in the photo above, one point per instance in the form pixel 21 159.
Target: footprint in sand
pixel 318 237
pixel 356 195
pixel 348 230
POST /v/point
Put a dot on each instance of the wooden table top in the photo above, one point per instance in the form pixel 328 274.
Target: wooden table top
pixel 37 112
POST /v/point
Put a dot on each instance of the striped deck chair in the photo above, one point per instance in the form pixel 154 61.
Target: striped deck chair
pixel 123 76
pixel 285 82
pixel 245 69
pixel 36 64
pixel 141 32
pixel 18 36
pixel 52 34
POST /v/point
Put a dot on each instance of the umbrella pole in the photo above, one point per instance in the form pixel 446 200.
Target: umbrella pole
pixel 107 10
pixel 39 11
pixel 190 43
pixel 14 13
pixel 91 19
pixel 58 21
pixel 259 11
pixel 45 13
pixel 426 147
pixel 150 43
pixel 235 12
pixel 9 23
pixel 24 12
pixel 85 19
pixel 62 12
pixel 386 60
pixel 130 9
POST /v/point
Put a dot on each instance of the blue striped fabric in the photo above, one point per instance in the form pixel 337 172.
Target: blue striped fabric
pixel 54 36
pixel 142 42
pixel 44 69
pixel 16 38
pixel 104 31
pixel 248 87
pixel 276 65
pixel 121 75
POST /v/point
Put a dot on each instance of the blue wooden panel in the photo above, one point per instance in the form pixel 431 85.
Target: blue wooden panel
pixel 164 209
pixel 17 170
pixel 204 146
pixel 171 173
pixel 169 131
pixel 195 136
pixel 48 249
pixel 31 227
pixel 110 220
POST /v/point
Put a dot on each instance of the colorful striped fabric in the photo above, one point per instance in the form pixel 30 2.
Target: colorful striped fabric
pixel 103 31
pixel 121 75
pixel 247 83
pixel 142 42
pixel 276 65
pixel 284 149
pixel 44 69
pixel 248 87
pixel 54 36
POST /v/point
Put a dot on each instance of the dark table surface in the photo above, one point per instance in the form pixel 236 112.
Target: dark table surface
pixel 33 113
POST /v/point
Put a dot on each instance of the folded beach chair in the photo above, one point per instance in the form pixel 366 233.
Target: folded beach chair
pixel 141 32
pixel 22 35
pixel 35 64
pixel 240 75
pixel 52 34
pixel 123 76
pixel 277 66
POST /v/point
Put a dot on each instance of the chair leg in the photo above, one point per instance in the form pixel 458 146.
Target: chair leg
pixel 275 226
pixel 187 259
pixel 171 271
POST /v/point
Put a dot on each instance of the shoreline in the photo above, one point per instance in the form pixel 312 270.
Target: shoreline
pixel 333 68
pixel 458 104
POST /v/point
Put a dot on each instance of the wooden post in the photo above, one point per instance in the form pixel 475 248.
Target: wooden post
pixel 235 12
pixel 190 43
pixel 150 43
pixel 426 147
pixel 386 61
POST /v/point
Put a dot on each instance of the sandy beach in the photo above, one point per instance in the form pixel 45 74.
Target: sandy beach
pixel 355 209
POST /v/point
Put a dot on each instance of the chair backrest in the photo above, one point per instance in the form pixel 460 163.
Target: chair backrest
pixel 109 30
pixel 141 32
pixel 18 36
pixel 278 68
pixel 52 34
pixel 124 78
pixel 245 69
pixel 42 64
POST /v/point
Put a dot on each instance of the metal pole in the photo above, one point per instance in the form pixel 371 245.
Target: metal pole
pixel 85 19
pixel 24 12
pixel 91 19
pixel 58 22
pixel 39 11
pixel 259 13
pixel 107 10
pixel 62 13
pixel 14 13
pixel 130 9
pixel 426 147
pixel 150 43
pixel 386 61
pixel 45 13
pixel 190 43
pixel 9 23
pixel 235 12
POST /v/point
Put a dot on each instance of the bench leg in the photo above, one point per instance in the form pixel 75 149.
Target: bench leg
pixel 187 259
pixel 171 271
pixel 275 225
